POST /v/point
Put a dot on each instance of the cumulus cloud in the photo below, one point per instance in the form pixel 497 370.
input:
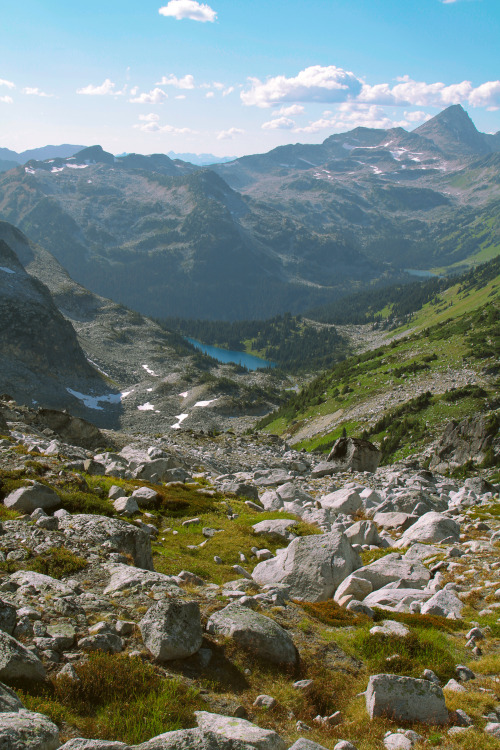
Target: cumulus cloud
pixel 150 123
pixel 279 123
pixel 209 95
pixel 314 84
pixel 226 135
pixel 6 100
pixel 35 92
pixel 334 85
pixel 186 82
pixel 180 9
pixel 293 109
pixel 8 84
pixel 352 115
pixel 421 94
pixel 156 96
pixel 417 116
pixel 486 95
pixel 107 87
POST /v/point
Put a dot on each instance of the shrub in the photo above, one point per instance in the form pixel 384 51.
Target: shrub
pixel 330 613
pixel 57 562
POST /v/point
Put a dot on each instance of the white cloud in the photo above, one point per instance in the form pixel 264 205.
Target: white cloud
pixel 180 9
pixel 486 95
pixel 314 84
pixel 279 123
pixel 186 82
pixel 293 109
pixel 228 91
pixel 151 117
pixel 417 116
pixel 152 125
pixel 156 96
pixel 107 87
pixel 180 96
pixel 6 100
pixel 421 94
pixel 35 92
pixel 218 85
pixel 335 85
pixel 209 95
pixel 9 84
pixel 352 115
pixel 226 135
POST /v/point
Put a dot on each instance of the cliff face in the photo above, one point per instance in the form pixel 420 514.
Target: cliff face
pixel 40 356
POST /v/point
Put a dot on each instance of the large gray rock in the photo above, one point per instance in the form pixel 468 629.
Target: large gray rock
pixel 278 529
pixel 25 730
pixel 394 567
pixel 27 499
pixel 398 599
pixel 17 663
pixel 125 538
pixel 363 532
pixel 405 699
pixel 354 453
pixel 42 583
pixel 9 702
pixel 312 566
pixel 255 632
pixel 80 744
pixel 239 730
pixel 191 739
pixel 129 577
pixel 172 630
pixel 158 468
pixel 345 501
pixel 443 603
pixel 431 527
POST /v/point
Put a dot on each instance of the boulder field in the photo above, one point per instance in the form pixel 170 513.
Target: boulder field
pixel 297 606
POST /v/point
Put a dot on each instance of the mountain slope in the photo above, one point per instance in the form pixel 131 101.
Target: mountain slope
pixel 445 366
pixel 41 360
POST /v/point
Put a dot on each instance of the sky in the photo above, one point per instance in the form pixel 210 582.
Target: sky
pixel 233 77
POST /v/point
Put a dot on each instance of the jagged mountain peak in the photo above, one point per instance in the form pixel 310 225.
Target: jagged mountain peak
pixel 452 130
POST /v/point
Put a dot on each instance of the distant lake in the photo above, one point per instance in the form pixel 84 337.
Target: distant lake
pixel 226 355
pixel 422 274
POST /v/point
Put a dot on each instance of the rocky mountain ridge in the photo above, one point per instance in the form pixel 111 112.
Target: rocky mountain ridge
pixel 268 233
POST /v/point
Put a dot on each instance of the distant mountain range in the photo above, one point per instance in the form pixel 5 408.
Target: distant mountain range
pixel 298 226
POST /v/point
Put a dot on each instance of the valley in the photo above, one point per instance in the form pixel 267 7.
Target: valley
pixel 198 555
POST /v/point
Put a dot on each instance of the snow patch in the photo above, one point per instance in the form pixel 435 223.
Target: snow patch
pixel 77 166
pixel 7 270
pixel 205 403
pixel 184 394
pixel 55 170
pixel 150 371
pixel 180 418
pixel 92 402
pixel 146 407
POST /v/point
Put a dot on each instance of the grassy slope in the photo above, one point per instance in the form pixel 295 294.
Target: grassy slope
pixel 360 391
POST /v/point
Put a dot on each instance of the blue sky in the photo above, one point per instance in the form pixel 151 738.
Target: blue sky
pixel 234 77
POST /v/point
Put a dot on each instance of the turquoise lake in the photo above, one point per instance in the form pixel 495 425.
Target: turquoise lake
pixel 226 355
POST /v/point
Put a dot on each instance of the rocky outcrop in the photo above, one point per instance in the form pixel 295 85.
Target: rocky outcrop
pixel 468 440
pixel 354 453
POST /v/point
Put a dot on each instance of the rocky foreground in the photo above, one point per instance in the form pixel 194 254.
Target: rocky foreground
pixel 236 594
